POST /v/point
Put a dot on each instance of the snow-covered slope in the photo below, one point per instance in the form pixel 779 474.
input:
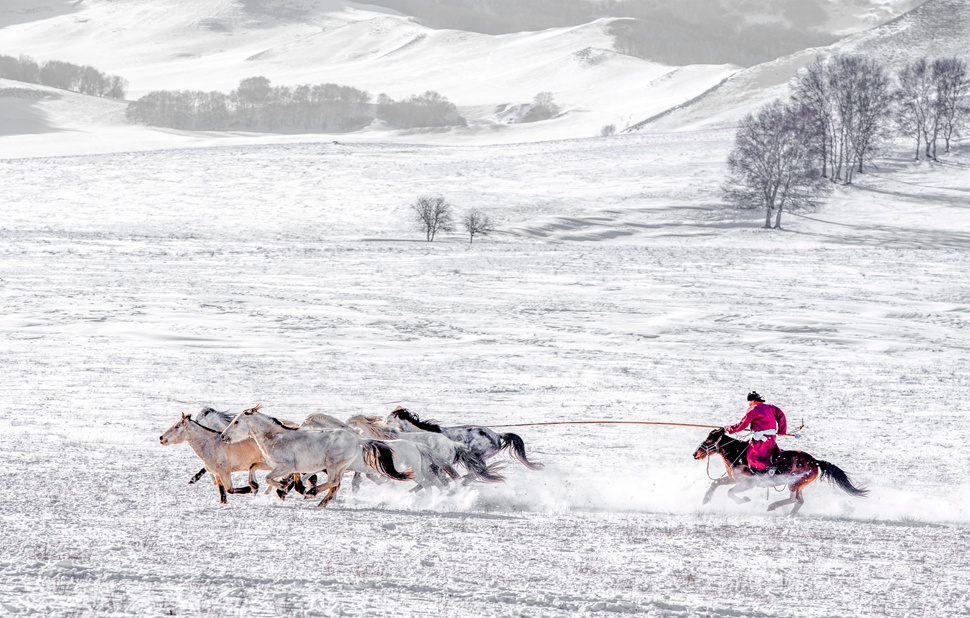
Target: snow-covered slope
pixel 212 44
pixel 936 28
pixel 138 286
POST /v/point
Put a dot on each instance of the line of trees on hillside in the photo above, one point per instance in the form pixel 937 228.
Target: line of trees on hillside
pixel 843 111
pixel 64 75
pixel 426 110
pixel 258 105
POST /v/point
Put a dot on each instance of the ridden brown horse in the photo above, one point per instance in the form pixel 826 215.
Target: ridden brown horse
pixel 793 468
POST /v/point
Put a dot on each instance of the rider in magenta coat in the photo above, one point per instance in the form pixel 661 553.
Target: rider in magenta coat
pixel 765 421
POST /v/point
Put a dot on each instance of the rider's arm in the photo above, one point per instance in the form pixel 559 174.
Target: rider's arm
pixel 742 425
pixel 782 421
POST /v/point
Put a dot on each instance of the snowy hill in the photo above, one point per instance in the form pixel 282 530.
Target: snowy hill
pixel 212 44
pixel 218 43
pixel 936 28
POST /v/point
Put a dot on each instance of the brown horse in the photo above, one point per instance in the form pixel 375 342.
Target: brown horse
pixel 793 468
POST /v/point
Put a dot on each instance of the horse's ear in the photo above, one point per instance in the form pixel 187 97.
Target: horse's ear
pixel 183 416
pixel 397 409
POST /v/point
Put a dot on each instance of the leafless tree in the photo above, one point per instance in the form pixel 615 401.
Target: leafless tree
pixel 915 111
pixel 771 166
pixel 951 80
pixel 433 214
pixel 608 130
pixel 811 91
pixel 478 223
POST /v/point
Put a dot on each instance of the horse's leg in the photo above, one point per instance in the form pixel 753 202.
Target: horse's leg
pixel 799 485
pixel 275 480
pixel 334 483
pixel 791 498
pixel 741 486
pixel 252 477
pixel 724 480
pixel 355 484
pixel 197 476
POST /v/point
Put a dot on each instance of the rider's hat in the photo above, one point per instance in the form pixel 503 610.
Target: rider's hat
pixel 754 396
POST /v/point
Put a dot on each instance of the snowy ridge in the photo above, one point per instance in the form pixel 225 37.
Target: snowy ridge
pixel 934 29
pixel 219 43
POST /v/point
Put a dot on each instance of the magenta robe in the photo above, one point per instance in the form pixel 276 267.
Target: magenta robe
pixel 762 416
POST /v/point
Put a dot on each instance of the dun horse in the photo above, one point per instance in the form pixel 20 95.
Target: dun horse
pixel 795 469
pixel 220 459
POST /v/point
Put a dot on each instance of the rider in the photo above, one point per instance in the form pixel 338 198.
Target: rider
pixel 765 421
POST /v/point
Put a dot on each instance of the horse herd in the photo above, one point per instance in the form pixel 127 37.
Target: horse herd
pixel 402 447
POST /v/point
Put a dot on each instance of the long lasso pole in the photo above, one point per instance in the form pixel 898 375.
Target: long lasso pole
pixel 608 423
pixel 787 435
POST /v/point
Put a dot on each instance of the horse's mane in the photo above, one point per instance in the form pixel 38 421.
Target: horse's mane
pixel 188 417
pixel 323 421
pixel 407 415
pixel 376 425
pixel 284 424
pixel 222 415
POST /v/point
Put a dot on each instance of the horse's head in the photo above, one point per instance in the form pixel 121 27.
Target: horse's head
pixel 176 433
pixel 711 445
pixel 238 429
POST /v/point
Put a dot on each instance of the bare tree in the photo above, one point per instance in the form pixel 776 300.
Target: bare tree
pixel 915 103
pixel 771 165
pixel 477 222
pixel 951 80
pixel 811 91
pixel 433 214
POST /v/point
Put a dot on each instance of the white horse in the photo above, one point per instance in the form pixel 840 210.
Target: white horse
pixel 426 466
pixel 441 446
pixel 304 452
pixel 485 442
pixel 220 459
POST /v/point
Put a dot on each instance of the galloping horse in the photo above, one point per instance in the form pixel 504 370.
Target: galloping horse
pixel 793 468
pixel 306 452
pixel 481 440
pixel 219 458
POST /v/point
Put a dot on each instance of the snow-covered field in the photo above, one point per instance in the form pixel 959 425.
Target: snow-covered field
pixel 139 285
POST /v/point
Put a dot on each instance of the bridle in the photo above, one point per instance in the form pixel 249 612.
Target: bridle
pixel 715 448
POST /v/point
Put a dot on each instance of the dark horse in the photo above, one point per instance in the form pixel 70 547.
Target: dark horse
pixel 481 440
pixel 793 468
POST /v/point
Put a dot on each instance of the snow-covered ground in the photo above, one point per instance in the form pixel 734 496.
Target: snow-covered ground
pixel 139 285
pixel 146 273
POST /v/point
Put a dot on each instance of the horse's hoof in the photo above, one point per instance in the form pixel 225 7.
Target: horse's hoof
pixel 281 494
pixel 255 486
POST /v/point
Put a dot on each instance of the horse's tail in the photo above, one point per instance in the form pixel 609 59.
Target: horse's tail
pixel 476 466
pixel 838 476
pixel 516 446
pixel 380 457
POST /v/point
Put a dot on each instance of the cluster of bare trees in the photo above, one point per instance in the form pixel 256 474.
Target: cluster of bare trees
pixel 843 110
pixel 63 75
pixel 435 214
pixel 426 110
pixel 543 108
pixel 931 101
pixel 257 104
